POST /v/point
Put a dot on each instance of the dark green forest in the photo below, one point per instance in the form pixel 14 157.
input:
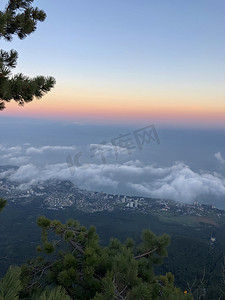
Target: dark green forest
pixel 74 264
pixel 195 263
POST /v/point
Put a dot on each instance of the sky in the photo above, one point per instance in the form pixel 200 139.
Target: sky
pixel 128 62
pixel 123 68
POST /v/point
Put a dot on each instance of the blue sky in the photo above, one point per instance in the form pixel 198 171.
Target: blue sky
pixel 128 59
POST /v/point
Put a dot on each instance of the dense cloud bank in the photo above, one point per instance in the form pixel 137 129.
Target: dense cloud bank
pixel 177 181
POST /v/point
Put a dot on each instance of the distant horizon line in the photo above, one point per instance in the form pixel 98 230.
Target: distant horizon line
pixel 160 123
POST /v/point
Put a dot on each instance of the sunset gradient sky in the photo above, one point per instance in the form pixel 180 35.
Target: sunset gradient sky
pixel 128 61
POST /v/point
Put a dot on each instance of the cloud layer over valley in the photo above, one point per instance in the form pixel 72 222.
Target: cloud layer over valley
pixel 132 177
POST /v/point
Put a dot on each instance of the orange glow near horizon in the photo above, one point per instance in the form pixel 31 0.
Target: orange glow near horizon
pixel 112 115
pixel 102 108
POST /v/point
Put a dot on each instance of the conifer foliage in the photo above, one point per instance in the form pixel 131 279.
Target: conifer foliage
pixel 20 19
pixel 2 203
pixel 10 285
pixel 73 261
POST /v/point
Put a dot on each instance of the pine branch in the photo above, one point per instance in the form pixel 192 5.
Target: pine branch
pixel 10 285
pixel 146 253
pixel 57 293
pixel 19 18
pixel 76 246
pixel 23 89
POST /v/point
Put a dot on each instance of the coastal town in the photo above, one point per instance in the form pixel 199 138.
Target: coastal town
pixel 57 194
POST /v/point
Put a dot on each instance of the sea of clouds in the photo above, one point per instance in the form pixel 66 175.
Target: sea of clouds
pixel 129 176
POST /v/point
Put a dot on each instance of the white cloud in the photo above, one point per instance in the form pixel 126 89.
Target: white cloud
pixel 19 160
pixel 41 150
pixel 220 158
pixel 16 149
pixel 39 155
pixel 177 182
pixel 182 184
